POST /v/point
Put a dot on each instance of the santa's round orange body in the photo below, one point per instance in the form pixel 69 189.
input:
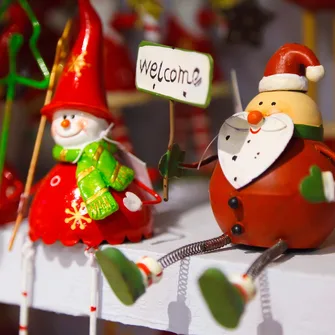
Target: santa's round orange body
pixel 271 207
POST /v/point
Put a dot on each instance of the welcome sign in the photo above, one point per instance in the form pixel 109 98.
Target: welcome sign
pixel 179 75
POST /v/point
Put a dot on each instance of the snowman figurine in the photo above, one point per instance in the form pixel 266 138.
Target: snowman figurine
pixel 273 187
pixel 89 197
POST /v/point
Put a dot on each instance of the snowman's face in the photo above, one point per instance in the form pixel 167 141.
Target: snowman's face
pixel 297 105
pixel 72 128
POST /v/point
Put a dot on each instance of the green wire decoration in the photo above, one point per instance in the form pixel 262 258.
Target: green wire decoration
pixel 13 78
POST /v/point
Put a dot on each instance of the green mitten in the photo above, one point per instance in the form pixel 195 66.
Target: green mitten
pixel 312 187
pixel 102 206
pixel 122 275
pixel 169 164
pixel 223 299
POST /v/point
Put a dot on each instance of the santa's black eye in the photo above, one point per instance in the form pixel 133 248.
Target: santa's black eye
pixel 273 104
pixel 64 117
pixel 261 103
pixel 72 116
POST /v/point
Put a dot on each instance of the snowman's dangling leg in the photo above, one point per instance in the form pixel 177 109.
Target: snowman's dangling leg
pixel 226 298
pixel 90 254
pixel 28 255
pixel 129 281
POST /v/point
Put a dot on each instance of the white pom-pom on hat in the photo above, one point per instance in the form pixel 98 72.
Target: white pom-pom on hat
pixel 315 73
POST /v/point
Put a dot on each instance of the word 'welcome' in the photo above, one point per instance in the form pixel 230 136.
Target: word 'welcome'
pixel 170 75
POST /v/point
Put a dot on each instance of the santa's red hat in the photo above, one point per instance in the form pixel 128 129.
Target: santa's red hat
pixel 81 85
pixel 290 68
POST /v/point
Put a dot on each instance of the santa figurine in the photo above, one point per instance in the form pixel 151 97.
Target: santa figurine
pixel 273 187
pixel 188 27
pixel 90 196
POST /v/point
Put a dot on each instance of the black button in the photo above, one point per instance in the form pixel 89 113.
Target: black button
pixel 233 203
pixel 237 229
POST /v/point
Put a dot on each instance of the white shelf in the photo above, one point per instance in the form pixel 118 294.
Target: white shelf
pixel 301 290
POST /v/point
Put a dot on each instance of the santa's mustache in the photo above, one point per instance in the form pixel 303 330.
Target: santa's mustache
pixel 273 122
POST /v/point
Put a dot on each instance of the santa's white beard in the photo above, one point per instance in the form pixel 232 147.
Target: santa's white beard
pixel 244 155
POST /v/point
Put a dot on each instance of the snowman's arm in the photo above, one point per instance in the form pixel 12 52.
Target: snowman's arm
pixel 148 190
pixel 204 162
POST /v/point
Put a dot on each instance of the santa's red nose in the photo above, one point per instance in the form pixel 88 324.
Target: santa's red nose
pixel 65 123
pixel 255 117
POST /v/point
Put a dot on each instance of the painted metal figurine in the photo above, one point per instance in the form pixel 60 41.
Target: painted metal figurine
pixel 90 196
pixel 272 187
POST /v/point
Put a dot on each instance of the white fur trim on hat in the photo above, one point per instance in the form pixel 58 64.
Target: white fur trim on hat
pixel 283 82
pixel 315 73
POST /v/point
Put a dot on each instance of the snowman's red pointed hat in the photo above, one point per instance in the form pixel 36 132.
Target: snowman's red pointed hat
pixel 81 85
pixel 290 68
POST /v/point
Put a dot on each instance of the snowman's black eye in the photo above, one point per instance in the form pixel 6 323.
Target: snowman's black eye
pixel 64 117
pixel 72 116
pixel 273 104
pixel 261 103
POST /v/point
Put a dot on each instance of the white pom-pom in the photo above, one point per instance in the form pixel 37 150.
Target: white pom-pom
pixel 154 267
pixel 315 73
pixel 246 284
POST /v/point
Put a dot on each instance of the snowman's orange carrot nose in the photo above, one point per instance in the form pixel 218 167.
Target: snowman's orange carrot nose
pixel 65 123
pixel 255 117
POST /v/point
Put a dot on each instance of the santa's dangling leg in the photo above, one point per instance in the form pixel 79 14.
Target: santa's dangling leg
pixel 120 131
pixel 129 281
pixel 227 298
pixel 201 134
pixel 28 257
pixel 90 254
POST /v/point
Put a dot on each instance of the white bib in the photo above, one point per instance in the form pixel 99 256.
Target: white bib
pixel 244 155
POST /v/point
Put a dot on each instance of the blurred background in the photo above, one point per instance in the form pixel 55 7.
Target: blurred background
pixel 241 35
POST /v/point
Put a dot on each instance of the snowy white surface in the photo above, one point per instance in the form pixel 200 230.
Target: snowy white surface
pixel 298 293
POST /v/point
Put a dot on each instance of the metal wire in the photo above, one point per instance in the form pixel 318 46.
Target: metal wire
pixel 194 249
pixel 266 258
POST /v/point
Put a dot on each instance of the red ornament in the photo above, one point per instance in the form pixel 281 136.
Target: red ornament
pixel 10 192
pixel 58 214
pixel 315 5
pixel 16 22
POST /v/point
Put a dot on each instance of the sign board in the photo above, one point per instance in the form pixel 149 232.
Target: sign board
pixel 175 74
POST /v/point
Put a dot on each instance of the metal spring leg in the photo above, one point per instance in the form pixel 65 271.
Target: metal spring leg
pixel 192 249
pixel 266 258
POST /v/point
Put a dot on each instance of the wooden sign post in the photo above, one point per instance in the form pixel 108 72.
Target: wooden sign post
pixel 175 74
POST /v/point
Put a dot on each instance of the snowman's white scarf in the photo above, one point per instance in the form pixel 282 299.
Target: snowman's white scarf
pixel 103 136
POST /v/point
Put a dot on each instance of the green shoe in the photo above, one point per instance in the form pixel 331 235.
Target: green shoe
pixel 102 206
pixel 224 300
pixel 123 276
